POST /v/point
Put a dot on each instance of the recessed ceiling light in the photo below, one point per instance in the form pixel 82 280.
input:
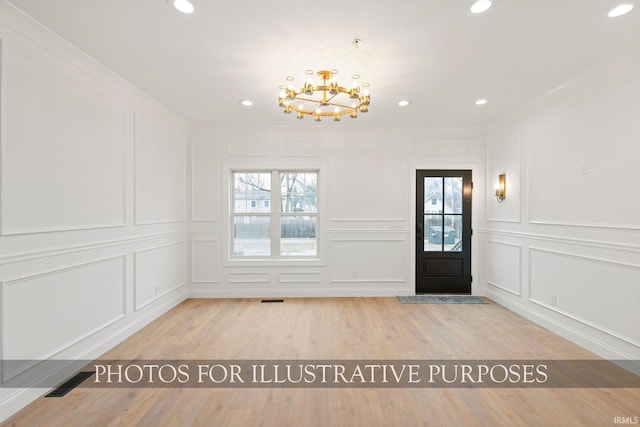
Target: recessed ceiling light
pixel 404 103
pixel 481 101
pixel 184 6
pixel 246 102
pixel 620 10
pixel 480 6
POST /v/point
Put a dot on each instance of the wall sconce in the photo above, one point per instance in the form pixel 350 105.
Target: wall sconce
pixel 501 191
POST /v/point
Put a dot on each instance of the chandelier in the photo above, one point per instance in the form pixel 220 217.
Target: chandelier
pixel 326 99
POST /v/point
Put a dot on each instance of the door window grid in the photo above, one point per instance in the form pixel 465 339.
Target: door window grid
pixel 443 214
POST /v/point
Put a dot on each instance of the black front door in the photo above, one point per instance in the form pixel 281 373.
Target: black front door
pixel 443 231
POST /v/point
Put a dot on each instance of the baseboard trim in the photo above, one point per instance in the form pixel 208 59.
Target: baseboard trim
pixel 300 293
pixel 604 350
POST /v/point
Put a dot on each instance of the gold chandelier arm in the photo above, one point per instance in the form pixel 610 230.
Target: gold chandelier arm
pixel 323 102
pixel 335 104
pixel 319 101
pixel 327 101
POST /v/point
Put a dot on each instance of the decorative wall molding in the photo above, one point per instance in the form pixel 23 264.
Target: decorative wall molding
pixel 507 221
pixel 358 260
pixel 439 147
pixel 561 327
pixel 503 155
pixel 52 352
pixel 214 261
pixel 518 279
pixel 85 247
pixel 210 164
pixel 574 317
pixel 101 241
pixel 248 277
pixel 31 36
pixel 300 277
pixel 248 148
pixel 562 239
pixel 368 281
pixel 138 305
pixel 587 225
pixel 584 257
pixel 69 73
pixel 176 135
pixel 585 322
pixel 300 148
pixel 617 68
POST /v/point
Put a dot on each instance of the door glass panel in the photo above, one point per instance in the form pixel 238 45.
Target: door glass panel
pixel 452 236
pixel 453 195
pixel 432 195
pixel 433 233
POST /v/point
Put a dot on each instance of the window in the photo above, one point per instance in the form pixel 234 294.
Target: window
pixel 286 229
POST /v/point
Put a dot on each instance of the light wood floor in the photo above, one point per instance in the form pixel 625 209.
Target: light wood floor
pixel 337 328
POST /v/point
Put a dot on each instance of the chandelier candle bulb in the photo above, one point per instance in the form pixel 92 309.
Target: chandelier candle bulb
pixel 308 89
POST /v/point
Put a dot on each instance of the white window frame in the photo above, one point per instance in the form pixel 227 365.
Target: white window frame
pixel 274 215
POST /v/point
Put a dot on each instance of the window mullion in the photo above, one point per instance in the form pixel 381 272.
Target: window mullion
pixel 275 213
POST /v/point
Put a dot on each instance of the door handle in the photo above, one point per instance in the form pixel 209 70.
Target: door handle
pixel 419 231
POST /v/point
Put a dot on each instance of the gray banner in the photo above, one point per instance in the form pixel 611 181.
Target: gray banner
pixel 325 373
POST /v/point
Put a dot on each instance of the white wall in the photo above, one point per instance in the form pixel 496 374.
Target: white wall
pixel 563 248
pixel 366 205
pixel 93 183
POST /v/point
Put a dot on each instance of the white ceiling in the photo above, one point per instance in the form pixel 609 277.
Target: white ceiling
pixel 433 52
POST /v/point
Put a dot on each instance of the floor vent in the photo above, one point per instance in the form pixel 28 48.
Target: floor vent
pixel 70 384
pixel 272 300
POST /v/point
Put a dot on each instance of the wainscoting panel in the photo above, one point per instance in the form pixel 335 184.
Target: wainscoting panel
pixel 158 271
pixel 247 144
pixel 600 293
pixel 595 152
pixel 248 277
pixel 368 260
pixel 456 148
pixel 160 171
pixel 63 141
pixel 45 313
pixel 368 182
pixel 504 156
pixel 300 277
pixel 205 179
pixel 504 266
pixel 205 257
pixel 300 148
